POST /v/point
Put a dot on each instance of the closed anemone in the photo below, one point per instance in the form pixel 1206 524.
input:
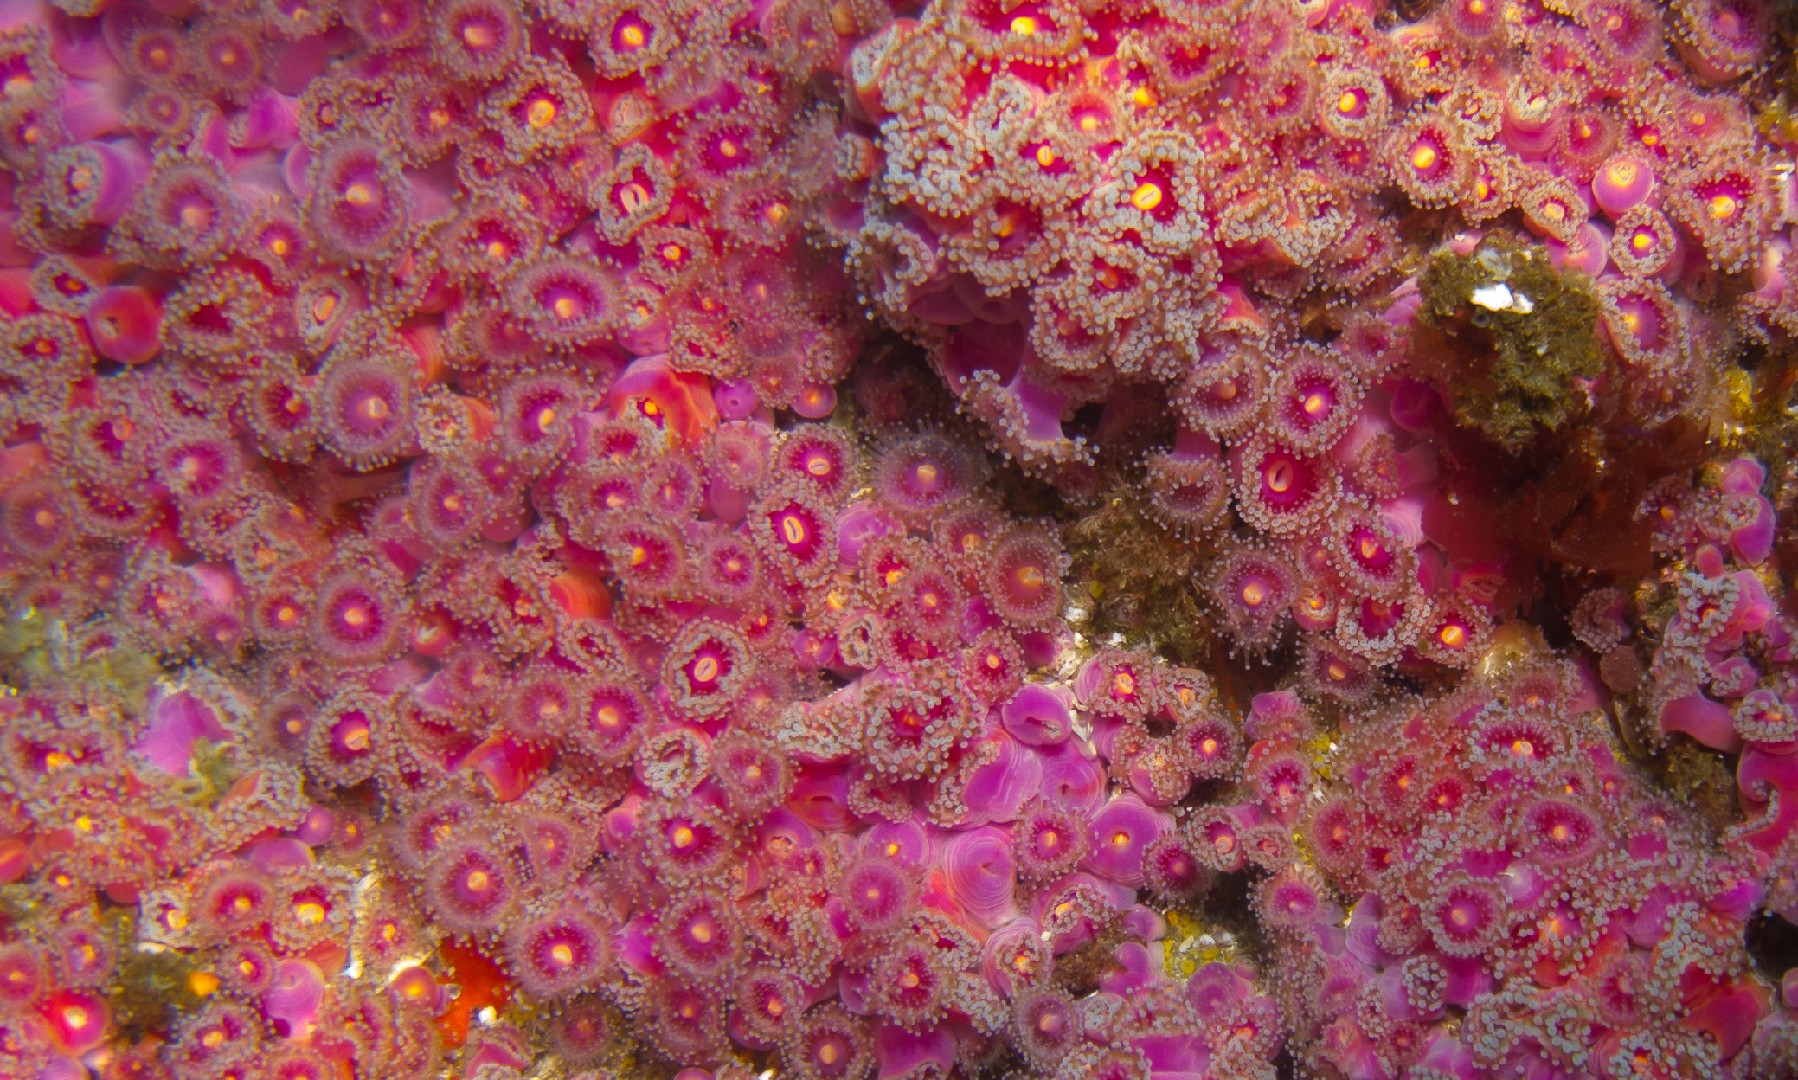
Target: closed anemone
pixel 359 206
pixel 979 874
pixel 1117 837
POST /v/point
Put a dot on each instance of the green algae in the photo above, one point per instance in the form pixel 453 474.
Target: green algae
pixel 1527 334
pixel 1133 580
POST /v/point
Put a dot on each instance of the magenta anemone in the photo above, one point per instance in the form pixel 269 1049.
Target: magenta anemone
pixel 1560 832
pixel 614 715
pixel 1290 902
pixel 1282 491
pixel 819 456
pixel 561 300
pixel 536 419
pixel 877 894
pixel 1253 590
pixel 1313 400
pixel 698 939
pixel 922 474
pixel 706 668
pixel 1023 577
pixel 1190 495
pixel 1225 393
pixel 366 405
pixel 1172 870
pixel 830 1044
pixel 470 887
pixel 796 530
pixel 477 39
pixel 559 954
pixel 359 206
pixel 1048 1026
pixel 1213 744
pixel 358 619
pixel 1464 916
pixel 346 738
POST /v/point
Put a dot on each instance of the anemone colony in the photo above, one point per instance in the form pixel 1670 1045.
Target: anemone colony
pixel 984 538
